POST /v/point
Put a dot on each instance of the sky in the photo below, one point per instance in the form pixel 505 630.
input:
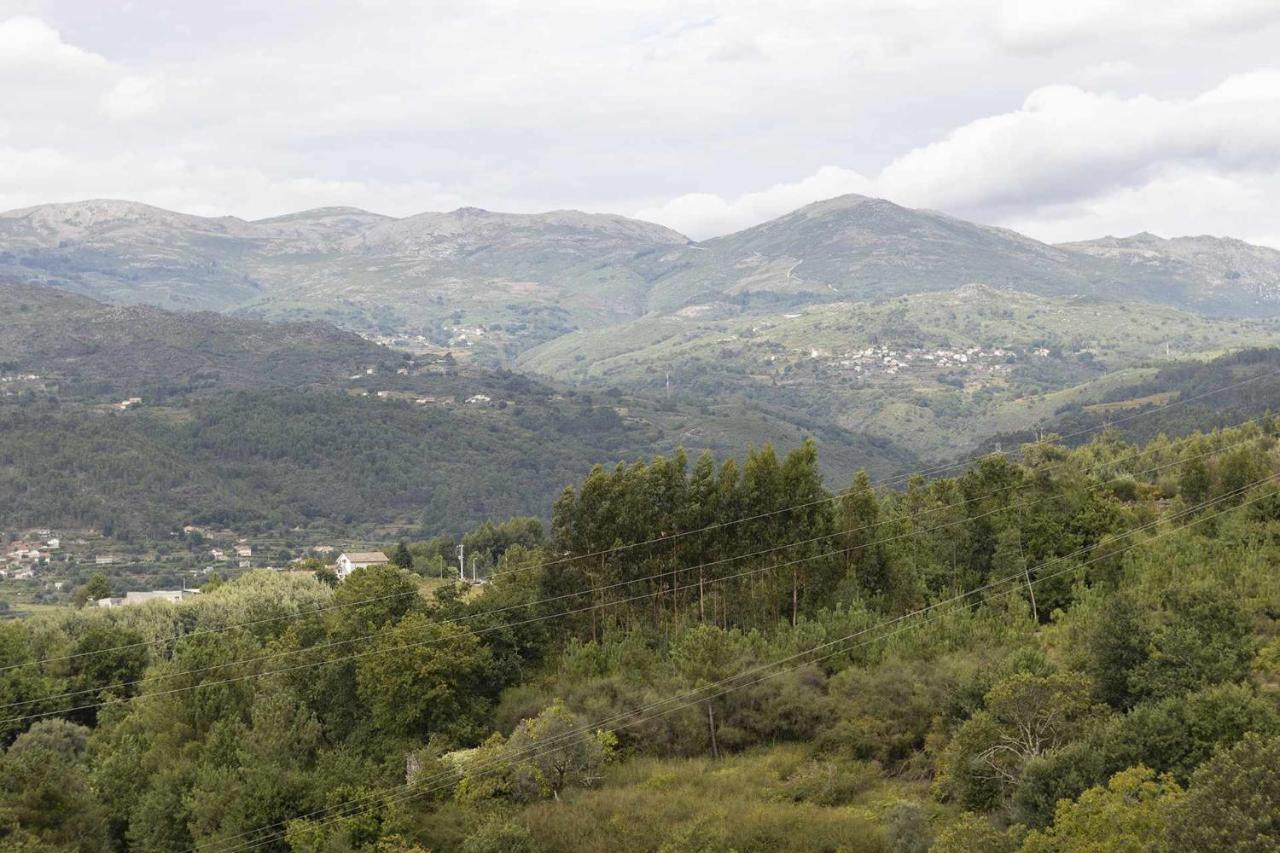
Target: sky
pixel 1063 120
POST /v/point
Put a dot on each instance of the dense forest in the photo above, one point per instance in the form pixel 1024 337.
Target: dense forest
pixel 263 460
pixel 1073 651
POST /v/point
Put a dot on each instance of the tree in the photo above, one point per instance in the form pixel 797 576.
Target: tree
pixel 98 587
pixel 1025 716
pixel 1116 646
pixel 424 678
pixel 1233 803
pixel 1129 815
pixel 109 660
pixel 553 751
pixel 1204 638
pixel 401 557
pixel 704 656
pixel 47 801
pixel 862 538
pixel 974 832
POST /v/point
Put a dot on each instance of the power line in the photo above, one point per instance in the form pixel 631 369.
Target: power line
pixel 593 591
pixel 546 564
pixel 413 790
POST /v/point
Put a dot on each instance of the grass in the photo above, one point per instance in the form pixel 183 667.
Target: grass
pixel 1134 403
pixel 758 800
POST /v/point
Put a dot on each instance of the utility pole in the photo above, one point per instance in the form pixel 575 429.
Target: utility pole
pixel 462 563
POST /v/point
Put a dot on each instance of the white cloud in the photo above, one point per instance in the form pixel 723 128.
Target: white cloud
pixel 30 45
pixel 681 110
pixel 1067 163
pixel 1045 26
pixel 181 184
pixel 131 97
pixel 700 215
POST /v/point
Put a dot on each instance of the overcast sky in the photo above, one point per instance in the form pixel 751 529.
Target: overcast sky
pixel 1064 120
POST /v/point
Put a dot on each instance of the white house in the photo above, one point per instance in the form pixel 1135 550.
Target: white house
pixel 348 563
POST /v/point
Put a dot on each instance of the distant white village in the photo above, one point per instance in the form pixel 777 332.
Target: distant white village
pixel 47 556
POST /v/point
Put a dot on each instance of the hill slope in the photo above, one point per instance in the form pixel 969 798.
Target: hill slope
pixel 1220 272
pixel 469 274
pixel 497 284
pixel 1176 400
pixel 936 372
pixel 265 425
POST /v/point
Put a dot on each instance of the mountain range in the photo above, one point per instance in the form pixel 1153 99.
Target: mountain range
pixel 894 336
pixel 497 284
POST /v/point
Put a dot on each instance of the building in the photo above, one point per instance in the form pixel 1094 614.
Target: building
pixel 217 553
pixel 25 552
pixel 104 559
pixel 244 551
pixel 129 599
pixel 348 563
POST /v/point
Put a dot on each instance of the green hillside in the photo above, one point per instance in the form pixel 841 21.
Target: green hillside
pixel 935 372
pixel 1075 652
pixel 261 426
pixel 1175 400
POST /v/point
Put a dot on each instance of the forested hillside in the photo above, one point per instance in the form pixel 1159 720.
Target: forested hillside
pixel 937 372
pixel 1076 650
pixel 273 426
pixel 1176 400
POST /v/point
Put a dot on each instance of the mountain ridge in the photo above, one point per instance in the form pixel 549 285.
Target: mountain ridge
pixel 495 285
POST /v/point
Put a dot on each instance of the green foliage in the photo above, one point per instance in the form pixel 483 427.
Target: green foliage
pixel 1203 638
pixel 47 801
pixel 1233 803
pixel 97 587
pixel 1024 717
pixel 424 678
pixel 273 696
pixel 1129 815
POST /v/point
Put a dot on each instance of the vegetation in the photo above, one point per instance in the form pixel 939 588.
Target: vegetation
pixel 275 427
pixel 705 656
pixel 937 372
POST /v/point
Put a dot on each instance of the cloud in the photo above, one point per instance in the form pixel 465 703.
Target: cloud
pixel 1067 144
pixel 1068 160
pixel 704 114
pixel 131 97
pixel 30 45
pixel 177 183
pixel 701 215
pixel 1037 27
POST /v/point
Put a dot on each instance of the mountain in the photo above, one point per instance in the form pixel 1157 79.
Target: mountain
pixel 853 247
pixel 1176 400
pixel 494 285
pixel 1223 271
pixel 482 280
pixel 83 350
pixel 265 426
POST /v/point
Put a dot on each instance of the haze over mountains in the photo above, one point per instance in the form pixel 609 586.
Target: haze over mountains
pixel 500 284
